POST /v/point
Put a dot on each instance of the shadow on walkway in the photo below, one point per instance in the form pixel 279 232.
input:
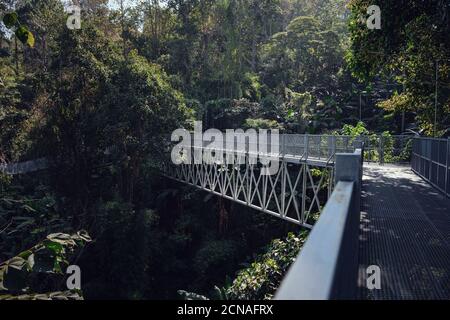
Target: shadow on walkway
pixel 405 230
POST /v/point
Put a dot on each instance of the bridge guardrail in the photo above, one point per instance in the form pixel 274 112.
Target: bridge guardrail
pixel 378 148
pixel 327 266
pixel 321 147
pixel 387 148
pixel 431 161
pixel 24 167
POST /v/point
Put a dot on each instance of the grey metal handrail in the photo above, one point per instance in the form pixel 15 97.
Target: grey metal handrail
pixel 327 266
pixel 288 146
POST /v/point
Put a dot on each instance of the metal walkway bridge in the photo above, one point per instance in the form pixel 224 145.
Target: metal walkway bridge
pixel 396 218
pixel 296 191
pixel 383 215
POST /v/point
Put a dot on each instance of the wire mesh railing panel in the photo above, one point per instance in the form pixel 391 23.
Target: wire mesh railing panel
pixel 431 161
pixel 378 148
pixel 387 149
pixel 293 144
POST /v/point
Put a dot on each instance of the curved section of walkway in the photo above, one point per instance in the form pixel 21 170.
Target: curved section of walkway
pixel 405 230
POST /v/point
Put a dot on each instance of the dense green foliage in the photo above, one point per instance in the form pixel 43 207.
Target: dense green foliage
pixel 95 101
pixel 411 48
pixel 40 270
pixel 261 279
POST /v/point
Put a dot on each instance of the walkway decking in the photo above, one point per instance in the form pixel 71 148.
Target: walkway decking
pixel 405 230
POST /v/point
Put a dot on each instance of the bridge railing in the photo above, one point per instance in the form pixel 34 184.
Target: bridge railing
pixel 387 148
pixel 327 266
pixel 24 167
pixel 378 148
pixel 295 192
pixel 300 185
pixel 431 161
pixel 295 146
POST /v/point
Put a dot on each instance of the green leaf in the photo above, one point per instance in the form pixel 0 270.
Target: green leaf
pixel 30 39
pixel 10 19
pixel 25 254
pixel 56 247
pixel 22 34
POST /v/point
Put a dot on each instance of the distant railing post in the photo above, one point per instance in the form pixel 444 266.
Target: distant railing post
pixel 306 144
pixel 330 141
pixel 430 161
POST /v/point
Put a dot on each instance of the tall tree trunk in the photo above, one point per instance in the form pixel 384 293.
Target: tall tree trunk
pixel 16 55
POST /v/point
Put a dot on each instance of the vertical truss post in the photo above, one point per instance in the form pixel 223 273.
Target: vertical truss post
pixel 447 164
pixel 233 183
pixel 304 181
pixel 265 200
pixel 330 181
pixel 283 187
pixel 223 170
pixel 248 177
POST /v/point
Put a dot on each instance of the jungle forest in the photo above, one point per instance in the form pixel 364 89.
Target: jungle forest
pixel 93 100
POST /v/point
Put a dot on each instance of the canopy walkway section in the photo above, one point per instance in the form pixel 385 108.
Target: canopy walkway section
pixel 24 167
pixel 405 231
pixel 394 217
pixel 298 189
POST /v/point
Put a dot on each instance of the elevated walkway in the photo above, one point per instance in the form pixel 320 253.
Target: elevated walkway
pixel 405 230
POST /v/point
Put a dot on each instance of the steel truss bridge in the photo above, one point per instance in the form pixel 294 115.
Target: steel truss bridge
pixel 304 179
pixel 381 215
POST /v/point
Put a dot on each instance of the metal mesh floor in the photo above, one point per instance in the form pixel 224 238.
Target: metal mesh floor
pixel 405 230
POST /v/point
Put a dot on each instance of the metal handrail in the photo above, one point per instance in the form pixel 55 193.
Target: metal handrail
pixel 327 266
pixel 294 146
